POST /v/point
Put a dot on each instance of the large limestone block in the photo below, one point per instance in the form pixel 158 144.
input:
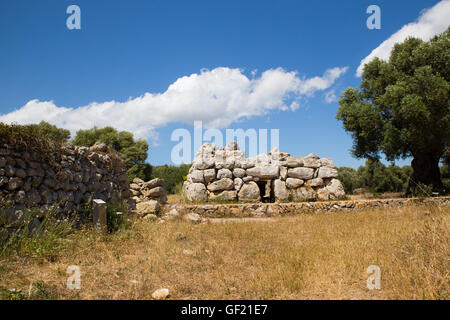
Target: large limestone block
pixel 301 173
pixel 249 192
pixel 209 175
pixel 294 162
pixel 196 176
pixel 326 162
pixel 283 173
pixel 195 191
pixel 264 172
pixel 238 172
pixel 317 182
pixel 336 189
pixel 154 192
pixel 238 183
pixel 153 183
pixel 147 207
pixel 222 184
pixel 323 194
pixel 311 162
pixel 326 172
pixel 294 183
pixel 280 191
pixel 304 194
pixel 224 173
pixel 227 195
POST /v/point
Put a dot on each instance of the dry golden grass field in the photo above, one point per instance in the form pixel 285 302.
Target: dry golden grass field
pixel 317 256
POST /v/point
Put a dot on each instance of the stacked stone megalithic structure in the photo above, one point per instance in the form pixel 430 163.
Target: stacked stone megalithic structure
pixel 63 178
pixel 148 196
pixel 225 174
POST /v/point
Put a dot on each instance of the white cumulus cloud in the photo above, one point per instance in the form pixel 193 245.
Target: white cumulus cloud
pixel 430 23
pixel 217 97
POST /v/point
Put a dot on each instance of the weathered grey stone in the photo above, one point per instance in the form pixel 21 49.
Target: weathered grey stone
pixel 238 183
pixel 196 176
pixel 222 184
pixel 247 179
pixel 280 191
pixel 239 172
pixel 301 173
pixel 14 183
pixel 227 195
pixel 195 191
pixel 209 175
pixel 294 183
pixel 135 187
pixel 326 172
pixel 249 192
pixel 323 194
pixel 2 162
pixel 193 217
pixel 311 162
pixel 294 162
pixel 99 214
pixel 283 173
pixel 146 207
pixel 317 182
pixel 157 182
pixel 224 173
pixel 336 189
pixel 326 162
pixel 304 194
pixel 154 192
pixel 9 170
pixel 264 172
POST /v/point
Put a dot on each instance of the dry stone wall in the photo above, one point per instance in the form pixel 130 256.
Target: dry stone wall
pixel 63 178
pixel 225 174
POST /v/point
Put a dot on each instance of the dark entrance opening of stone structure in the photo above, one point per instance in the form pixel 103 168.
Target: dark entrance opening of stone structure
pixel 266 191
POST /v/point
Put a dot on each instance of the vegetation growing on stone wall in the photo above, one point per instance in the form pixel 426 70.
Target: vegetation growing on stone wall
pixel 133 152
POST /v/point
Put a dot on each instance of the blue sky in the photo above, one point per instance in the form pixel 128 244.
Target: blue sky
pixel 126 49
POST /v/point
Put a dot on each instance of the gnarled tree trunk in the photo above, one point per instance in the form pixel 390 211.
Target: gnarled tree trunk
pixel 425 172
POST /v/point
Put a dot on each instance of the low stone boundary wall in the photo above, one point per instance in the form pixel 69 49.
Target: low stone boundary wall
pixel 277 209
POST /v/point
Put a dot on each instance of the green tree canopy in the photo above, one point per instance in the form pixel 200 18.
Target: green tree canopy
pixel 50 131
pixel 134 153
pixel 402 108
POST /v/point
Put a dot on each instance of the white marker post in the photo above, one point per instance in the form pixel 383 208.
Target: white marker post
pixel 99 214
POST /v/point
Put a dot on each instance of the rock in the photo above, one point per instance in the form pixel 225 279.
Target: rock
pixel 9 170
pixel 147 207
pixel 326 162
pixel 157 182
pixel 14 183
pixel 99 147
pixel 2 162
pixel 301 173
pixel 188 252
pixel 283 173
pixel 304 194
pixel 20 173
pixel 193 217
pixel 224 173
pixel 227 195
pixel 239 172
pixel 336 189
pixel 280 191
pixel 326 172
pixel 317 182
pixel 135 187
pixel 209 175
pixel 172 214
pixel 249 192
pixel 222 184
pixel 154 192
pixel 323 194
pixel 196 176
pixel 238 183
pixel 195 191
pixel 264 172
pixel 311 162
pixel 161 294
pixel 294 162
pixel 138 181
pixel 293 183
pixel 247 179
